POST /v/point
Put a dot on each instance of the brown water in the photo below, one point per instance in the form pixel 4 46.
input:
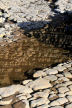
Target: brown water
pixel 19 59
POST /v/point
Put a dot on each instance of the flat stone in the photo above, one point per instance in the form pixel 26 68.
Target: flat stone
pixel 51 71
pixel 51 77
pixel 22 97
pixel 5 102
pixel 67 65
pixel 61 95
pixel 40 83
pixel 59 75
pixel 63 89
pixel 70 87
pixel 60 68
pixel 44 106
pixel 57 107
pixel 53 97
pixel 7 91
pixel 39 74
pixel 19 104
pixel 59 101
pixel 40 94
pixel 26 81
pixel 67 83
pixel 67 74
pixel 69 98
pixel 69 105
pixel 69 93
pixel 70 68
pixel 38 102
pixel 63 78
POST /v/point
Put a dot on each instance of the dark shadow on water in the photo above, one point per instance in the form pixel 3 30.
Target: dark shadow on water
pixel 57 32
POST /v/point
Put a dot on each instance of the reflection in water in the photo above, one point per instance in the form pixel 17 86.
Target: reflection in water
pixel 19 60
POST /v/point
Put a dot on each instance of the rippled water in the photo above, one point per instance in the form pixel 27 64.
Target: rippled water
pixel 19 59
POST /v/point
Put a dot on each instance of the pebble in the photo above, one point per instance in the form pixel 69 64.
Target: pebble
pixel 26 81
pixel 51 71
pixel 39 74
pixel 63 89
pixel 61 95
pixel 61 68
pixel 69 98
pixel 38 102
pixel 59 101
pixel 63 78
pixel 41 94
pixel 39 83
pixel 67 74
pixel 51 77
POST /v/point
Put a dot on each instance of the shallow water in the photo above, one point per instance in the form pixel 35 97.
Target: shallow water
pixel 19 59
